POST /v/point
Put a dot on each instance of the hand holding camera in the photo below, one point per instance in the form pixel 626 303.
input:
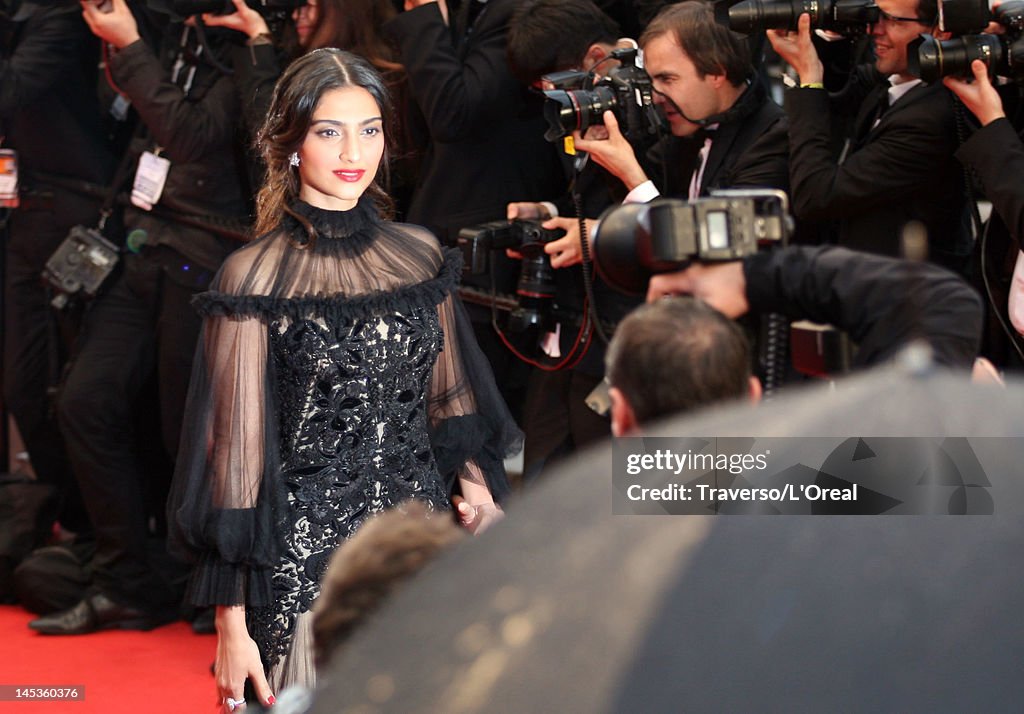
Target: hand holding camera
pixel 609 148
pixel 244 19
pixel 995 37
pixel 797 49
pixel 722 286
pixel 441 5
pixel 979 96
pixel 567 251
pixel 115 26
pixel 579 100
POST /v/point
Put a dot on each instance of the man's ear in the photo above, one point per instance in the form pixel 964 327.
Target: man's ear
pixel 756 390
pixel 595 54
pixel 719 80
pixel 623 417
pixel 941 34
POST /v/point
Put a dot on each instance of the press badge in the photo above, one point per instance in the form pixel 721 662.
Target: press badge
pixel 150 178
pixel 8 178
pixel 119 107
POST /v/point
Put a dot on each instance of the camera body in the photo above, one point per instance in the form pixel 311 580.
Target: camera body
pixel 579 100
pixel 80 265
pixel 634 241
pixel 523 236
pixel 846 17
pixel 531 307
pixel 187 8
pixel 931 59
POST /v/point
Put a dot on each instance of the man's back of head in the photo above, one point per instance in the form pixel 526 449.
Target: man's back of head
pixel 674 355
pixel 553 35
pixel 385 552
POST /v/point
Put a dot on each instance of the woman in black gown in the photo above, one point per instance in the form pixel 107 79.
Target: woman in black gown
pixel 336 377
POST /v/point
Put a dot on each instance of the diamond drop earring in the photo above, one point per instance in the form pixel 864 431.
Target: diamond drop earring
pixel 293 160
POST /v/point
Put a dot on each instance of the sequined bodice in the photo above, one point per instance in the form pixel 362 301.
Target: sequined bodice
pixel 352 402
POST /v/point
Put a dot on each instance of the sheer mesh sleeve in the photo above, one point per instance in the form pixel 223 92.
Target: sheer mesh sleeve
pixel 221 510
pixel 472 431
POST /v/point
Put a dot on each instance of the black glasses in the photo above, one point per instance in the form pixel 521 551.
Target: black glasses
pixel 883 15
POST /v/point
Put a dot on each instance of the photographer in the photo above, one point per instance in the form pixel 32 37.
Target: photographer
pixel 51 117
pixel 853 291
pixel 557 420
pixel 486 140
pixel 726 131
pixel 486 131
pixel 996 154
pixel 143 324
pixel 898 166
pixel 994 151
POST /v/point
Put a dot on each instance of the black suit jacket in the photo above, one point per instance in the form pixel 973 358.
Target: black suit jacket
pixel 901 170
pixel 49 111
pixel 486 131
pixel 996 154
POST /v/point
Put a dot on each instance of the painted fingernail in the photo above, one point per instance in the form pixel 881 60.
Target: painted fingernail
pixel 271 700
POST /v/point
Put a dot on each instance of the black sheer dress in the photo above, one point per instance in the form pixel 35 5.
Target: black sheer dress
pixel 336 377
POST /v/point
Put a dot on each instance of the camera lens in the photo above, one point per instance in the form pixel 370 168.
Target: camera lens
pixel 576 109
pixel 755 15
pixel 836 15
pixel 535 291
pixel 186 8
pixel 932 59
pixel 561 111
pixel 536 279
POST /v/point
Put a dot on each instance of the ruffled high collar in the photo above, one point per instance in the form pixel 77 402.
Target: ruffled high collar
pixel 354 229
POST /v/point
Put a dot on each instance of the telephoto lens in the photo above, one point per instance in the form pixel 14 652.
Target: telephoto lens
pixel 842 16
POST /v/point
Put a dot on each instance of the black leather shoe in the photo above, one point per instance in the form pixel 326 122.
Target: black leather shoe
pixel 94 613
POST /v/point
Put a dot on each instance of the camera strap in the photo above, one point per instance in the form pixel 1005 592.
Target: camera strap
pixel 591 320
pixel 120 179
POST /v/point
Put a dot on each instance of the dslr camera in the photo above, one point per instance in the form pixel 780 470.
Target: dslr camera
pixel 267 8
pixel 846 17
pixel 80 266
pixel 635 240
pixel 579 100
pixel 931 59
pixel 535 289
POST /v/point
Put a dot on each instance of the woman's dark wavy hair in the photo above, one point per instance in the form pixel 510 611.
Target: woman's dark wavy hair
pixel 296 97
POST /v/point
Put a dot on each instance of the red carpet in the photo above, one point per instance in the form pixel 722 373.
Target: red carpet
pixel 163 671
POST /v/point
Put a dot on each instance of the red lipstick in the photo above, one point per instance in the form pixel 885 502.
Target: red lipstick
pixel 350 176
